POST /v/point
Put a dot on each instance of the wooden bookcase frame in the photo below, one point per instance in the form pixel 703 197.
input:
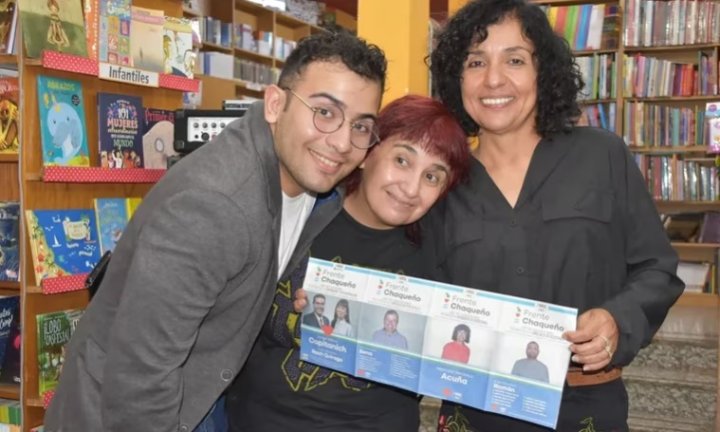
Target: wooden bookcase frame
pixel 37 193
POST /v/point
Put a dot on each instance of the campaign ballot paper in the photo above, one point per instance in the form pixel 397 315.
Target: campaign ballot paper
pixel 486 350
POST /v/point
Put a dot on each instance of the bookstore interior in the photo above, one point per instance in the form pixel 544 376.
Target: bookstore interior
pixel 150 81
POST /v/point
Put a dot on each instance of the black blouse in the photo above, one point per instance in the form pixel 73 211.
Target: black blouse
pixel 584 233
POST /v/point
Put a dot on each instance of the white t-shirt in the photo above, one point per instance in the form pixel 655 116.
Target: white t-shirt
pixel 295 212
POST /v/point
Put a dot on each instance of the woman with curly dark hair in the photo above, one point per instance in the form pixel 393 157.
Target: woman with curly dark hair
pixel 552 212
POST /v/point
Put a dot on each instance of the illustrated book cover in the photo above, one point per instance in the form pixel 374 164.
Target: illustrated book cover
pixel 55 25
pixel 62 122
pixel 9 308
pixel 178 47
pixel 9 131
pixel 9 240
pixel 10 371
pixel 158 137
pixel 120 131
pixel 146 39
pixel 112 215
pixel 54 330
pixel 8 25
pixel 62 242
pixel 114 32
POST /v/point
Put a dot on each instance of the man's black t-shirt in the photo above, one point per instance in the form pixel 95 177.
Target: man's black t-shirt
pixel 276 391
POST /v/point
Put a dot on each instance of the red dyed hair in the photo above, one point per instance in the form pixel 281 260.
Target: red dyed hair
pixel 420 119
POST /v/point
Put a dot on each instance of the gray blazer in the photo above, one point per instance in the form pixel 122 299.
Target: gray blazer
pixel 186 292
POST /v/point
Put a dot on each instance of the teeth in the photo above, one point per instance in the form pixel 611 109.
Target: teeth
pixel 496 101
pixel 326 161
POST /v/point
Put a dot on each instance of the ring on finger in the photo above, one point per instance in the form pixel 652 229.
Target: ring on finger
pixel 607 341
pixel 608 351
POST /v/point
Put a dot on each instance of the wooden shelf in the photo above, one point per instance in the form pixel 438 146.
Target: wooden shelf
pixel 596 101
pixel 669 48
pixel 86 66
pixel 8 158
pixel 252 55
pixel 691 299
pixel 587 52
pixel 251 7
pixel 698 98
pixel 664 206
pixel 191 13
pixel 10 391
pixel 10 285
pixel 668 149
pixel 208 46
pixel 67 174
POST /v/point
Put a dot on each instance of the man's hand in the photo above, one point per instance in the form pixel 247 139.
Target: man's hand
pixel 300 300
pixel 595 340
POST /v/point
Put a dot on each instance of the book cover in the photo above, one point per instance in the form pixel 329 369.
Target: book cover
pixel 178 47
pixel 9 131
pixel 54 330
pixel 9 240
pixel 120 131
pixel 10 371
pixel 8 22
pixel 62 122
pixel 146 39
pixel 158 137
pixel 62 242
pixel 114 32
pixel 9 308
pixel 112 216
pixel 55 25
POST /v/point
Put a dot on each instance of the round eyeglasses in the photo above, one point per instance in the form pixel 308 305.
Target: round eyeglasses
pixel 329 118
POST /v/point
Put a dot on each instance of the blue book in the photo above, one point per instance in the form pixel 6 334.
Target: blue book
pixel 62 122
pixel 62 242
pixel 9 240
pixel 112 217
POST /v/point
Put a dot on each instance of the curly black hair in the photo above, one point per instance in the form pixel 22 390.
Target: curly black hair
pixel 559 80
pixel 366 60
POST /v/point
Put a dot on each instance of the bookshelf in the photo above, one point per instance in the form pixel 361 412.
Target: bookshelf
pixel 10 191
pixel 635 46
pixel 68 187
pixel 254 66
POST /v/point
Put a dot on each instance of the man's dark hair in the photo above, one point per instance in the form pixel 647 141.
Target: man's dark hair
pixel 318 296
pixel 366 60
pixel 558 80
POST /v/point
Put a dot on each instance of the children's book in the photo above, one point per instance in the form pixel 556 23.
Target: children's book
pixel 120 131
pixel 112 215
pixel 9 240
pixel 9 131
pixel 114 29
pixel 178 47
pixel 146 39
pixel 10 372
pixel 54 331
pixel 8 309
pixel 62 122
pixel 62 242
pixel 158 137
pixel 8 25
pixel 55 25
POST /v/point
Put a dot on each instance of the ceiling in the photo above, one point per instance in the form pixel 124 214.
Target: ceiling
pixel 438 8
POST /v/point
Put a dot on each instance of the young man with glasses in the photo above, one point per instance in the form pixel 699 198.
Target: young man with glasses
pixel 194 274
